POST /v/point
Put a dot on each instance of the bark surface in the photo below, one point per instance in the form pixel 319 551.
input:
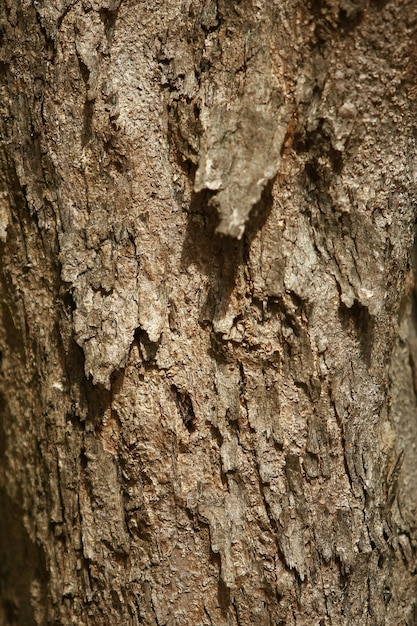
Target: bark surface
pixel 207 312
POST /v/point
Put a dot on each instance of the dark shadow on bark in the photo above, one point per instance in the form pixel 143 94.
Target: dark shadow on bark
pixel 21 565
pixel 223 593
pixel 379 4
pixel 185 408
pixel 219 256
pixel 147 348
pixel 109 18
pixel 360 323
pixel 331 21
pixel 95 398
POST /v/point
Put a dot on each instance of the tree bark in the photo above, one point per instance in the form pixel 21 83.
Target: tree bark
pixel 207 325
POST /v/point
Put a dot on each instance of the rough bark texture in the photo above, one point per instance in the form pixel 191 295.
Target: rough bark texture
pixel 208 326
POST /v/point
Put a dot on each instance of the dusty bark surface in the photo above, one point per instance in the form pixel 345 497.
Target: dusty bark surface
pixel 207 323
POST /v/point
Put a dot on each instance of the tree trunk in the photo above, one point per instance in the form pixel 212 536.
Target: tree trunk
pixel 207 326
